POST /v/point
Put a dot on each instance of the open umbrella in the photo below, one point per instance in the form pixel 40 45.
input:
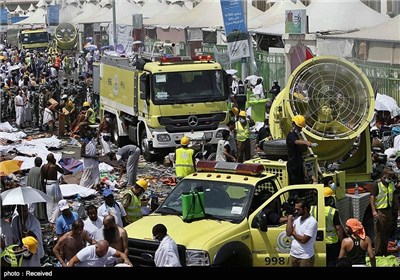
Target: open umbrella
pixel 8 167
pixel 386 103
pixel 231 71
pixel 23 195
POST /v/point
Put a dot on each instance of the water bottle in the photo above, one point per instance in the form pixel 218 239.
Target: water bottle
pixel 356 190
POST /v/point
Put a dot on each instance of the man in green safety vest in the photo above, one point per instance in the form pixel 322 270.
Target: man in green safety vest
pixel 381 202
pixel 90 117
pixel 184 159
pixel 242 130
pixel 132 202
pixel 13 255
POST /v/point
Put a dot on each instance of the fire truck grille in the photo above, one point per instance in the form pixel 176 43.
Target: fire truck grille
pixel 192 122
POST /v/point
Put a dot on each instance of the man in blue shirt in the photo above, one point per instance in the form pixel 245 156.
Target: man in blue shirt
pixel 66 219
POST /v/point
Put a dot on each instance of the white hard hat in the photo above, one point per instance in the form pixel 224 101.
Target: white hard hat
pixel 64 96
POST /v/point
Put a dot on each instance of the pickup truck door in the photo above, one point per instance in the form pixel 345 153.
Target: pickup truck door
pixel 271 248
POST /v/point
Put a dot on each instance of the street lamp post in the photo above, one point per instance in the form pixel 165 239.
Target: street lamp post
pixel 114 25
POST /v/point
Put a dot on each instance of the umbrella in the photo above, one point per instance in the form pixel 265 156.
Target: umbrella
pixel 23 195
pixel 387 103
pixel 14 67
pixel 90 47
pixel 8 167
pixel 252 79
pixel 231 71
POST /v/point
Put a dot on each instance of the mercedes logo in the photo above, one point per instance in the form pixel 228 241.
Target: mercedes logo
pixel 193 121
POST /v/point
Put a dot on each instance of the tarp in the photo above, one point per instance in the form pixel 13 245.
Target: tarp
pixel 71 165
pixel 69 190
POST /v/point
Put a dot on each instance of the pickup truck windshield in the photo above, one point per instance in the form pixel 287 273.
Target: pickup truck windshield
pixel 188 87
pixel 223 200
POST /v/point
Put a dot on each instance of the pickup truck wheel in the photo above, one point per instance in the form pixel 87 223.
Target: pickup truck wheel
pixel 145 147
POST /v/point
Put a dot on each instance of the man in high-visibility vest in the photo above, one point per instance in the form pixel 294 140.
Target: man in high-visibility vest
pixel 381 202
pixel 184 159
pixel 242 129
pixel 14 255
pixel 334 230
pixel 132 202
pixel 90 117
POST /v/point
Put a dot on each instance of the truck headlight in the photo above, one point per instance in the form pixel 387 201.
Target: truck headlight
pixel 197 258
pixel 209 135
pixel 163 138
pixel 219 133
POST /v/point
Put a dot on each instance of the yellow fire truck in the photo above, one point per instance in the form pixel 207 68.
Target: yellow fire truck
pixel 34 39
pixel 155 103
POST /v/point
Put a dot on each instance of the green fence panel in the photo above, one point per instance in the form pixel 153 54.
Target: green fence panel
pixel 385 75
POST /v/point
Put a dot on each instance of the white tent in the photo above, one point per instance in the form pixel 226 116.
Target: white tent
pixel 208 14
pixel 328 15
pixel 70 10
pixel 31 8
pixel 18 10
pixel 388 31
pixel 383 41
pixel 149 9
pixel 90 9
pixel 274 15
pixel 163 19
pixel 124 9
pixel 38 17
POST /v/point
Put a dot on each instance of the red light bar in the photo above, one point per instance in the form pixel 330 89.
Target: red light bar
pixel 207 57
pixel 230 167
pixel 170 59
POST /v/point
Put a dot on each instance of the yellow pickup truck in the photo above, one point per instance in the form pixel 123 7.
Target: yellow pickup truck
pixel 215 216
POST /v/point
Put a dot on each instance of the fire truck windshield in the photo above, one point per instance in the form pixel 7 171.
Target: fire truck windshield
pixel 188 87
